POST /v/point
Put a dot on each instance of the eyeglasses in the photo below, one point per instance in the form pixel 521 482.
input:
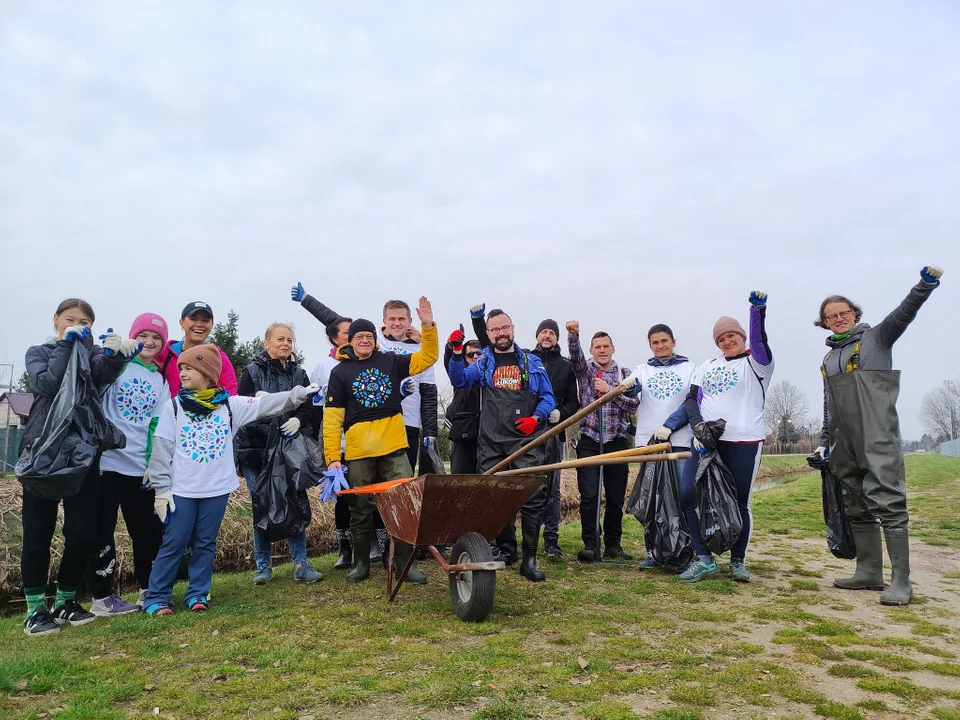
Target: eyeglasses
pixel 839 316
pixel 475 353
pixel 363 336
pixel 498 330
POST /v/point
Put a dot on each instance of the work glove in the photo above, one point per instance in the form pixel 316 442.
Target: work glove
pixel 75 332
pixel 164 506
pixel 758 298
pixel 477 311
pixel 408 387
pixel 554 417
pixel 291 427
pixel 700 447
pixel 297 293
pixel 663 433
pixel 429 441
pixel 931 274
pixel 130 348
pixel 333 481
pixel 312 390
pixel 822 452
pixel 629 381
pixel 526 425
pixel 261 393
pixel 111 342
pixel 702 438
pixel 456 340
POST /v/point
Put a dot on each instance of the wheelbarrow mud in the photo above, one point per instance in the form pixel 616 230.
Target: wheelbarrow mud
pixel 466 511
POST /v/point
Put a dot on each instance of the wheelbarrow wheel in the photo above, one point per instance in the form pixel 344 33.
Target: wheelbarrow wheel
pixel 472 592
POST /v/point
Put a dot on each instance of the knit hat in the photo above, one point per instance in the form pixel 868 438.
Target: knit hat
pixel 205 359
pixel 725 325
pixel 548 324
pixel 361 325
pixel 151 322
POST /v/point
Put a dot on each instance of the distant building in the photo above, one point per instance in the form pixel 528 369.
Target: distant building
pixel 15 409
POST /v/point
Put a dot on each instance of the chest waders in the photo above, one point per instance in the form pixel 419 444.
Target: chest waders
pixel 865 454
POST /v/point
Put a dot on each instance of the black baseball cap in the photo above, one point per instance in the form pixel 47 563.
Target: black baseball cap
pixel 196 306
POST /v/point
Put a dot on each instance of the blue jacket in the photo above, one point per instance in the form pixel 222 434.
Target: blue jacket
pixel 481 373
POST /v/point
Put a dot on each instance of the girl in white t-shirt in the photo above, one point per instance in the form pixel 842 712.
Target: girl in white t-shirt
pixel 733 388
pixel 192 471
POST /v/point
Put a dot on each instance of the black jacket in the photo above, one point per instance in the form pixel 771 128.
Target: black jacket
pixel 269 375
pixel 563 380
pixel 46 365
pixel 463 412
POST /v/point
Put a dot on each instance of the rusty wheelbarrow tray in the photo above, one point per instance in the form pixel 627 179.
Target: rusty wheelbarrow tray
pixel 466 511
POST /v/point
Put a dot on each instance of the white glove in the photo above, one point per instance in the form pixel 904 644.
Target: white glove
pixel 291 427
pixel 261 393
pixel 934 271
pixel 554 417
pixel 698 446
pixel 164 506
pixel 312 389
pixel 112 342
pixel 629 381
pixel 822 452
pixel 663 433
pixel 408 387
pixel 130 348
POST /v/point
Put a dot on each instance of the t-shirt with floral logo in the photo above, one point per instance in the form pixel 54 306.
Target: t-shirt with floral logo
pixel 734 390
pixel 132 403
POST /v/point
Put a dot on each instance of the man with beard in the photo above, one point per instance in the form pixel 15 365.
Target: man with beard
pixel 516 402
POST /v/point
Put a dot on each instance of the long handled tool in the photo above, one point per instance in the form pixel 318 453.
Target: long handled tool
pixel 595 461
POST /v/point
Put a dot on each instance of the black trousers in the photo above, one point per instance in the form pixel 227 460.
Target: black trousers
pixel 122 493
pixel 463 457
pixel 614 489
pixel 413 448
pixel 80 514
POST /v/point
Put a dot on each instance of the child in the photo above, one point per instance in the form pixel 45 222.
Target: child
pixel 132 403
pixel 192 471
pixel 46 365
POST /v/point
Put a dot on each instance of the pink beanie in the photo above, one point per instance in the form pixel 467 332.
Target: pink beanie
pixel 725 325
pixel 152 322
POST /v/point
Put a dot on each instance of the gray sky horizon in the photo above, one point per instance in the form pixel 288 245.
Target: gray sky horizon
pixel 618 163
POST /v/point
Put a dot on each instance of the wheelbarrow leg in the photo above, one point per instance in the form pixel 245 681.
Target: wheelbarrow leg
pixel 392 591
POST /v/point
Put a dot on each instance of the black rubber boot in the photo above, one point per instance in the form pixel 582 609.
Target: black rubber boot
pixel 361 556
pixel 345 558
pixel 900 591
pixel 869 574
pixel 379 548
pixel 401 554
pixel 530 531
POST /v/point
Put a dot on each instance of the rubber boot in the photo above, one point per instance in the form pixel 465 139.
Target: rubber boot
pixel 361 557
pixel 345 558
pixel 530 532
pixel 900 591
pixel 869 574
pixel 378 549
pixel 401 554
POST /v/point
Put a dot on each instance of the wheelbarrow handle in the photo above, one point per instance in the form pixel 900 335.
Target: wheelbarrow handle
pixel 594 461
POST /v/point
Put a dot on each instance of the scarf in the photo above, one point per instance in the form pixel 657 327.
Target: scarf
pixel 202 402
pixel 840 338
pixel 151 367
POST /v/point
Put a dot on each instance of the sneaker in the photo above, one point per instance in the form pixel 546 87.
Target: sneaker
pixel 738 572
pixel 587 555
pixel 71 613
pixel 552 550
pixel 198 603
pixel 649 564
pixel 305 573
pixel 698 570
pixel 112 605
pixel 262 577
pixel 159 608
pixel 615 552
pixel 40 622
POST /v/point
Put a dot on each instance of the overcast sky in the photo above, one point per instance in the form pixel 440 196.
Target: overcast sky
pixel 620 163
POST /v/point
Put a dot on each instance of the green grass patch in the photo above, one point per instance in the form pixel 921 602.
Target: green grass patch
pixel 942 713
pixel 903 689
pixel 948 669
pixel 693 695
pixel 925 628
pixel 872 705
pixel 804 585
pixel 837 710
pixel 608 710
pixel 849 670
pixel 675 714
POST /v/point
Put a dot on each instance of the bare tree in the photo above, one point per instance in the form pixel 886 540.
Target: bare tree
pixel 786 412
pixel 940 410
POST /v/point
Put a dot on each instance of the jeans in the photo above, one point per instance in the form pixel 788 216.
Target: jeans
pixel 261 546
pixel 200 519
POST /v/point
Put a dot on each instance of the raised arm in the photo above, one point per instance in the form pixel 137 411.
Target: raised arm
pixel 313 306
pixel 429 351
pixel 760 350
pixel 479 324
pixel 896 323
pixel 577 359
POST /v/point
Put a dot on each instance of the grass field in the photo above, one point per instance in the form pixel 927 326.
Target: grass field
pixel 593 642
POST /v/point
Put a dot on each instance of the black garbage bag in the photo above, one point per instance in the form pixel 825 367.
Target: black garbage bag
pixel 75 431
pixel 431 462
pixel 720 521
pixel 839 535
pixel 280 505
pixel 658 508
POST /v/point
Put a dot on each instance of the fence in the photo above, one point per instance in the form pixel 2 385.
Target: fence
pixel 951 448
pixel 13 444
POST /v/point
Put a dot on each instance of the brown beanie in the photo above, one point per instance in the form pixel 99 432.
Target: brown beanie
pixel 725 325
pixel 205 359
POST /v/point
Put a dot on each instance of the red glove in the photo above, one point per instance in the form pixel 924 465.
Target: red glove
pixel 527 425
pixel 456 340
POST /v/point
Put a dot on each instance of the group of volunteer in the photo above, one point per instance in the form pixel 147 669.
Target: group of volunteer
pixel 158 429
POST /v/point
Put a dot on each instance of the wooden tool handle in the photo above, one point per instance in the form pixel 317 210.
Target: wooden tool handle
pixel 594 462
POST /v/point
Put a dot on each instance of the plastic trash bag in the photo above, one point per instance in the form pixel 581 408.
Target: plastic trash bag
pixel 280 507
pixel 720 521
pixel 75 431
pixel 655 502
pixel 431 462
pixel 839 535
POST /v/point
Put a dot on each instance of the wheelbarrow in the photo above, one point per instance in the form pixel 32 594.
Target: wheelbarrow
pixel 466 511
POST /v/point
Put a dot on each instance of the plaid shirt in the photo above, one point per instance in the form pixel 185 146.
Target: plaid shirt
pixel 616 414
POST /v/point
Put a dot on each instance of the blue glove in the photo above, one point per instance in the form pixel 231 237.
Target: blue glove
pixel 333 481
pixel 477 311
pixel 297 293
pixel 758 298
pixel 408 387
pixel 931 274
pixel 76 333
pixel 429 441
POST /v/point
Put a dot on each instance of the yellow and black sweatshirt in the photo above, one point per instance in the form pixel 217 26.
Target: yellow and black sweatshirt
pixel 363 399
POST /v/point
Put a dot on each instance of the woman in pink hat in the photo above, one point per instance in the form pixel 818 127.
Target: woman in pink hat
pixel 731 387
pixel 132 403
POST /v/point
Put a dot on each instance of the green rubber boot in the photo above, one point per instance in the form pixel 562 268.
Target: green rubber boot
pixel 869 574
pixel 900 591
pixel 401 553
pixel 361 557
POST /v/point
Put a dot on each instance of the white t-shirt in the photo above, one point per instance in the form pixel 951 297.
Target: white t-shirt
pixel 321 376
pixel 131 403
pixel 411 403
pixel 734 390
pixel 203 463
pixel 663 390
